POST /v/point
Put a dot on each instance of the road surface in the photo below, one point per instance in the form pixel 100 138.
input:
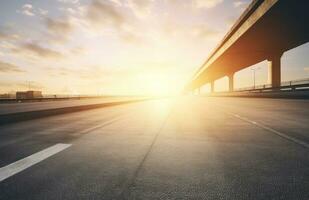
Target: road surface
pixel 188 148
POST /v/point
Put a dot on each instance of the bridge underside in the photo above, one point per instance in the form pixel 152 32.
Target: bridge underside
pixel 273 28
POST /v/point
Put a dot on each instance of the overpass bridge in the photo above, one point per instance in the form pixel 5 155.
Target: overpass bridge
pixel 264 31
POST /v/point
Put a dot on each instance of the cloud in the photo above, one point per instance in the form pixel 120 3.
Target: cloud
pixel 60 30
pixel 131 38
pixel 62 71
pixel 207 3
pixel 58 26
pixel 69 1
pixel 78 51
pixel 9 68
pixel 3 35
pixel 117 2
pixel 188 32
pixel 7 45
pixel 230 20
pixel 241 5
pixel 27 9
pixel 95 73
pixel 204 32
pixel 32 49
pixel 89 73
pixel 6 36
pixel 42 11
pixel 110 15
pixel 95 19
pixel 141 8
pixel 101 14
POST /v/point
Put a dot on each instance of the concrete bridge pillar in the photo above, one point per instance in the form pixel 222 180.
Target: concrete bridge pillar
pixel 231 82
pixel 212 86
pixel 274 70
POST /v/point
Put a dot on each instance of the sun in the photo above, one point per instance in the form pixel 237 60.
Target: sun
pixel 159 84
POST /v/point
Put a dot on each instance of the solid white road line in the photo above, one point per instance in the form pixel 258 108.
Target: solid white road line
pixel 20 165
pixel 283 135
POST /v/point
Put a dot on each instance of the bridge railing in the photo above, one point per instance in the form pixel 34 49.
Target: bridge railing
pixel 299 85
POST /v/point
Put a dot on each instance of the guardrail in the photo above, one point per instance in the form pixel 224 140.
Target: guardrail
pixel 297 89
pixel 296 85
pixel 19 116
pixel 14 100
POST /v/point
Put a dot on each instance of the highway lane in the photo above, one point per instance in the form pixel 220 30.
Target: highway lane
pixel 189 148
pixel 289 116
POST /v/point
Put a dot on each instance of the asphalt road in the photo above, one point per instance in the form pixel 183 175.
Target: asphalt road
pixel 189 148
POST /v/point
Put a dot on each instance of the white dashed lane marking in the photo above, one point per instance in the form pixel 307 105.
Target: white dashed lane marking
pixel 283 135
pixel 20 165
pixel 96 127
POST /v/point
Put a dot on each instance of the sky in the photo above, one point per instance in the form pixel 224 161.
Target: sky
pixel 112 47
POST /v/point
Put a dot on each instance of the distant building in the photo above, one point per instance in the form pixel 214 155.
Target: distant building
pixel 5 96
pixel 29 95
